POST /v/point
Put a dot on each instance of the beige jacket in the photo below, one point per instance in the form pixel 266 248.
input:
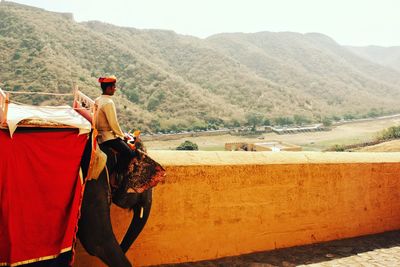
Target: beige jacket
pixel 106 120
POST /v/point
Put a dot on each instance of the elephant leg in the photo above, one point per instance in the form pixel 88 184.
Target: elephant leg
pixel 95 230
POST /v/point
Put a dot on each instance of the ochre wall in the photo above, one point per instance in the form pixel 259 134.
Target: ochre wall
pixel 216 204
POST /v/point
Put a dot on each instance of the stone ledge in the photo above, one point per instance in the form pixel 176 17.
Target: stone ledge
pixel 188 158
pixel 218 204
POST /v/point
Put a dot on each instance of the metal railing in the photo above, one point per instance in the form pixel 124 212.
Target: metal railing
pixel 84 105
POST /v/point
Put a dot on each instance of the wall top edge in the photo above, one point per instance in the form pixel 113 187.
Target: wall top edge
pixel 184 158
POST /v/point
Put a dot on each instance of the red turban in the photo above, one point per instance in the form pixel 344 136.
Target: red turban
pixel 109 79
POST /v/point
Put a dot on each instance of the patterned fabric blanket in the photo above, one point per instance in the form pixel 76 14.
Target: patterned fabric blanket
pixel 143 173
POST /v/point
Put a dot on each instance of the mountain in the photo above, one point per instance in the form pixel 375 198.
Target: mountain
pixel 175 82
pixel 385 56
pixel 326 74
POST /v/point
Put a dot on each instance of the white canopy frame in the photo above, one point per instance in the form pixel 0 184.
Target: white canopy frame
pixel 80 115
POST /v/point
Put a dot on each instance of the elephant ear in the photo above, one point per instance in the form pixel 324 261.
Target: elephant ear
pixel 143 173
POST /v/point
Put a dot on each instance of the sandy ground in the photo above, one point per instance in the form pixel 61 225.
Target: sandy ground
pixel 341 135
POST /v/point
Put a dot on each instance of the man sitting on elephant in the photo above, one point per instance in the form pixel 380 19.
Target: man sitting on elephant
pixel 110 134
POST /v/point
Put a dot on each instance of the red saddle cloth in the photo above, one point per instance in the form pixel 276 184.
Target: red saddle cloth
pixel 40 194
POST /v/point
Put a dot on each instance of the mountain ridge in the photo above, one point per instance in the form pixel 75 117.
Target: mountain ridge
pixel 175 82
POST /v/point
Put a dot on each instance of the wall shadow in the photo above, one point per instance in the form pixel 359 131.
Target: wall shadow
pixel 309 254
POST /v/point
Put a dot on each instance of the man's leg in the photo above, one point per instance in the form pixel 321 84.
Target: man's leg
pixel 125 153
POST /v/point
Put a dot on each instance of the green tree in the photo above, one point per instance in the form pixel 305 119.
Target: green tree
pixel 254 119
pixel 373 113
pixel 187 145
pixel 267 122
pixel 16 56
pixel 348 116
pixel 155 100
pixel 300 119
pixel 327 121
pixel 155 125
pixel 133 95
pixel 283 121
pixel 214 122
pixel 232 123
pixel 199 125
pixel 338 148
pixel 390 133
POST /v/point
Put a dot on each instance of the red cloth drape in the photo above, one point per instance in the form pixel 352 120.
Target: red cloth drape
pixel 40 193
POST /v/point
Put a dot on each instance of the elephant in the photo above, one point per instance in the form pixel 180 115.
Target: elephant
pixel 95 231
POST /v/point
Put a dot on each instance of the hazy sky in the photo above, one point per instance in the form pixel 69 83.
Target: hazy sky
pixel 349 22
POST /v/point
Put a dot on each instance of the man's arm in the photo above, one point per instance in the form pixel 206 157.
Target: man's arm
pixel 111 114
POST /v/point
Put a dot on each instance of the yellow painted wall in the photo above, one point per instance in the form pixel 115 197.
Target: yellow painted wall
pixel 217 204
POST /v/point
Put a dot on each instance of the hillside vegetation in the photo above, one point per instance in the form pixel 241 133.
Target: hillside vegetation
pixel 171 82
pixel 386 56
pixel 389 146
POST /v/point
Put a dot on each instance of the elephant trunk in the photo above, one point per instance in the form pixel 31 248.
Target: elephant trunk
pixel 141 212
